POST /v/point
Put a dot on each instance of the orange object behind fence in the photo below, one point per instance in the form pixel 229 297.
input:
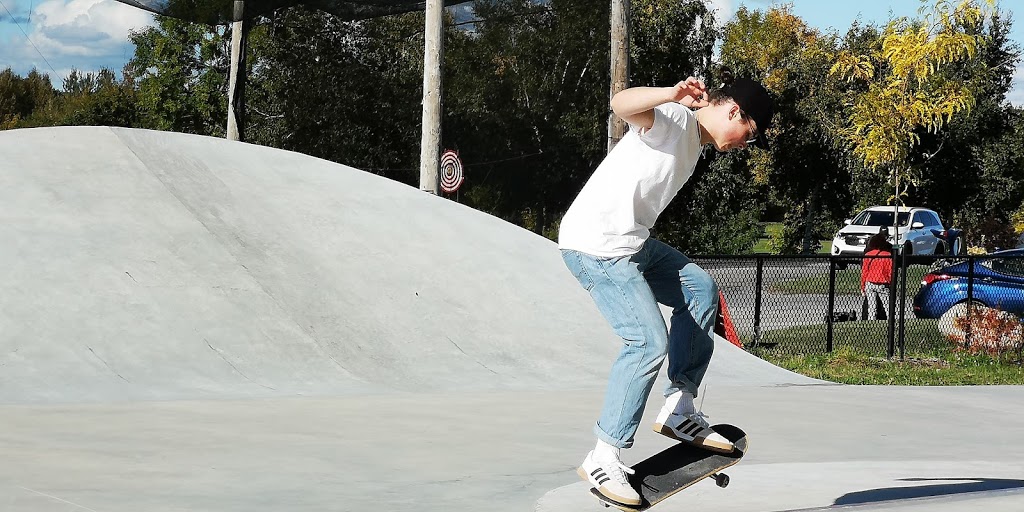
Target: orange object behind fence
pixel 723 325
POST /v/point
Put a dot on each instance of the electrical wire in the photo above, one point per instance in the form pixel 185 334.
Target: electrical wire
pixel 29 39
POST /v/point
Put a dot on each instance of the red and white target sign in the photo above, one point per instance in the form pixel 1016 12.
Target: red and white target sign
pixel 451 171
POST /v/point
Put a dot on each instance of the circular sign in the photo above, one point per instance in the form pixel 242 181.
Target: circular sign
pixel 451 172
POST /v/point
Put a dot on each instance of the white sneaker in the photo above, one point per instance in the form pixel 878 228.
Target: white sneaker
pixel 609 478
pixel 691 428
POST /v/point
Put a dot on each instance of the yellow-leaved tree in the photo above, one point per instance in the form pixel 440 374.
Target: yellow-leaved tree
pixel 909 85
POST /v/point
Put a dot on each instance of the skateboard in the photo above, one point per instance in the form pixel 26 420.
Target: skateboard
pixel 675 468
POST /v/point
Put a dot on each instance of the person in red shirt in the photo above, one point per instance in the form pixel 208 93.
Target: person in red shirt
pixel 876 273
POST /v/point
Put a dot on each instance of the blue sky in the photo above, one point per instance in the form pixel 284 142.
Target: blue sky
pixel 90 34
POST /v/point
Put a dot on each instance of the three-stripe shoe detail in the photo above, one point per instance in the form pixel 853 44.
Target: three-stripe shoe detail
pixel 690 427
pixel 609 478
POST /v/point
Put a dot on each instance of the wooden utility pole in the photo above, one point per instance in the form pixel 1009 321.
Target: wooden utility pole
pixel 619 65
pixel 430 143
pixel 236 83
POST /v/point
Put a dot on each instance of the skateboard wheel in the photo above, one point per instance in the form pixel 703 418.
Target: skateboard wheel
pixel 722 480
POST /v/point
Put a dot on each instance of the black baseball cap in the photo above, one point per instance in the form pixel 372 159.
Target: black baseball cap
pixel 754 101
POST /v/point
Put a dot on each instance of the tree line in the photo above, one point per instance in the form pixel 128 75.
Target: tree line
pixel 526 104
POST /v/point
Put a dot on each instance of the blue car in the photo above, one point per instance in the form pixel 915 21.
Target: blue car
pixel 998 284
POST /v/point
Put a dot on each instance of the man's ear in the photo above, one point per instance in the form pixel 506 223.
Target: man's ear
pixel 734 111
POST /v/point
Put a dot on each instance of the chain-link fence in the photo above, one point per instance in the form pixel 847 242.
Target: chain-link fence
pixel 793 305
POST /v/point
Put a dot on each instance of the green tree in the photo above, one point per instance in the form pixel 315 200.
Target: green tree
pixel 526 101
pixel 981 152
pixel 340 90
pixel 181 71
pixel 21 97
pixel 717 211
pixel 907 88
pixel 803 176
pixel 97 99
pixel 669 39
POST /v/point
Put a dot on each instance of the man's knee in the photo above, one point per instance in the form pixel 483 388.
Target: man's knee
pixel 653 340
pixel 702 289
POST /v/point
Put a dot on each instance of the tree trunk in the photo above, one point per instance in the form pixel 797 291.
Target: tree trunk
pixel 810 241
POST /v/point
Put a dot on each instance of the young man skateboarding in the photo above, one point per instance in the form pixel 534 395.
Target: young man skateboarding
pixel 605 242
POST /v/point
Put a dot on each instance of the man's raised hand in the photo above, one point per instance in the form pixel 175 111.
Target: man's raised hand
pixel 691 93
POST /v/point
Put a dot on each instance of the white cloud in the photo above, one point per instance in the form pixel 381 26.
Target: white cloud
pixel 85 27
pixel 81 34
pixel 726 9
pixel 15 8
pixel 723 10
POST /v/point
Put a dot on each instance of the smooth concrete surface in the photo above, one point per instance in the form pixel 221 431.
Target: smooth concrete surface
pixel 874 447
pixel 192 324
pixel 151 265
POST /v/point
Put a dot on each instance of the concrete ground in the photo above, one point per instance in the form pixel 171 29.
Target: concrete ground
pixel 191 324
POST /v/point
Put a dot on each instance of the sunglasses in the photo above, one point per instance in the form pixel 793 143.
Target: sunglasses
pixel 751 132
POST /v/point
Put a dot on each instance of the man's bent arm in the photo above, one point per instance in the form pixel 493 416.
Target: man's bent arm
pixel 636 104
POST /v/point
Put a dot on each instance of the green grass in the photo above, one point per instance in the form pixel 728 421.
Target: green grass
pixel 866 337
pixel 860 357
pixel 847 282
pixel 850 367
pixel 763 245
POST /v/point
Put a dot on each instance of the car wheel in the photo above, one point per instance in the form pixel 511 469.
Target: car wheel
pixel 908 249
pixel 974 304
pixel 952 328
pixel 940 249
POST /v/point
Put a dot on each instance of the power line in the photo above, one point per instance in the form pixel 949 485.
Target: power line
pixel 520 157
pixel 27 38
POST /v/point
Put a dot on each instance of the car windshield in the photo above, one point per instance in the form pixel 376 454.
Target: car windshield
pixel 879 218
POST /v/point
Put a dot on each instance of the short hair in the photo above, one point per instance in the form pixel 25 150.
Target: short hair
pixel 879 242
pixel 720 95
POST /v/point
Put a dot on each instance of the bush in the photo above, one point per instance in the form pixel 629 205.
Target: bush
pixel 992 332
pixel 989 232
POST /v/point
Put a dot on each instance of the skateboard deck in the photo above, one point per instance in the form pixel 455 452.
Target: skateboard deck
pixel 675 468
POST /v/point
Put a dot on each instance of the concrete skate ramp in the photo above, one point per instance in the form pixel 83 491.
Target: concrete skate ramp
pixel 153 265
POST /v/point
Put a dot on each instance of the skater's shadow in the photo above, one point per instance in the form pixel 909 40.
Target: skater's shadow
pixel 950 486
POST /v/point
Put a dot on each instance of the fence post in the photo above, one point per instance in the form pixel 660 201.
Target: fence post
pixel 758 279
pixel 970 300
pixel 831 303
pixel 890 349
pixel 903 308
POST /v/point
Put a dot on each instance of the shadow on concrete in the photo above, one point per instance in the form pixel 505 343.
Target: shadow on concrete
pixel 963 486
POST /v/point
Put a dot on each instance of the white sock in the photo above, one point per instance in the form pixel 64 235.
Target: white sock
pixel 680 402
pixel 605 451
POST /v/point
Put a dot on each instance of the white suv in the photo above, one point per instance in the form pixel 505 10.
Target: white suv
pixel 914 234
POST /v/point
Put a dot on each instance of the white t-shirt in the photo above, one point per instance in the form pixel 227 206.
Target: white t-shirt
pixel 613 214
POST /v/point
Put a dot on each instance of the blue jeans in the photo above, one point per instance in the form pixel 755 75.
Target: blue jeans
pixel 627 291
